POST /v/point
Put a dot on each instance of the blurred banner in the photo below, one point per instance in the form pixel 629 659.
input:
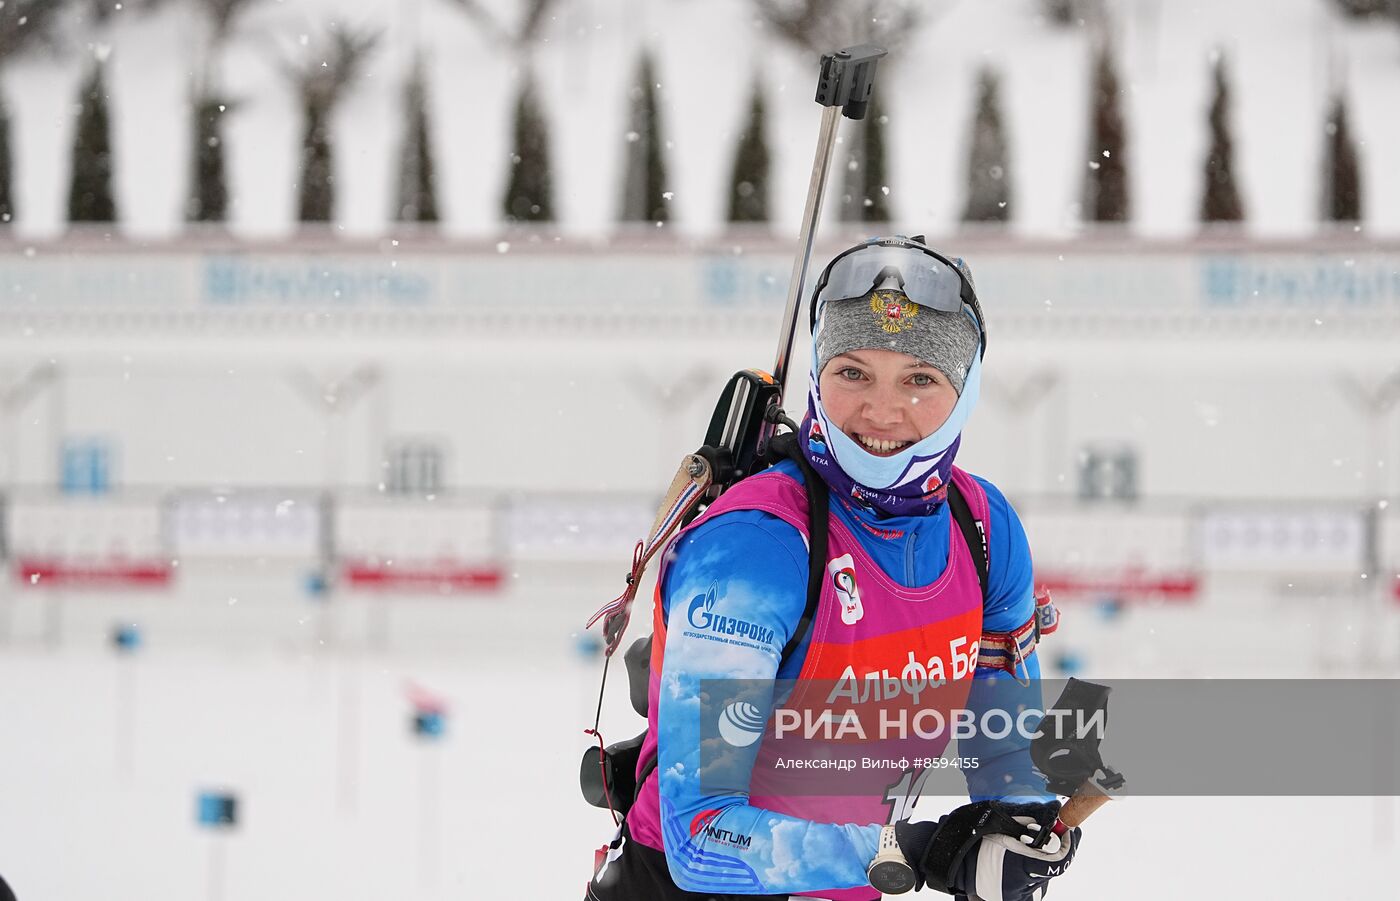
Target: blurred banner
pixel 1149 551
pixel 526 280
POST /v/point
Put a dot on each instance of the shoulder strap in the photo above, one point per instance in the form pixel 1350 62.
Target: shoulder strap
pixel 972 530
pixel 818 509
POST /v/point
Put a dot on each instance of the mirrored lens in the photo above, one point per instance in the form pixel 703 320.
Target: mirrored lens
pixel 925 280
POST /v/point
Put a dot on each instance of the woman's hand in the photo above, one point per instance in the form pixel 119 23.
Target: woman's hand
pixel 988 850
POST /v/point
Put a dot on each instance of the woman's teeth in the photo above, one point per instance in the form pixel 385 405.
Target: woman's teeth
pixel 880 446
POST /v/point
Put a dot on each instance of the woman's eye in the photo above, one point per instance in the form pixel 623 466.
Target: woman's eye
pixel 850 374
pixel 923 379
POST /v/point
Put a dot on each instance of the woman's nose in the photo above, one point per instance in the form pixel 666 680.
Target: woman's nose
pixel 885 407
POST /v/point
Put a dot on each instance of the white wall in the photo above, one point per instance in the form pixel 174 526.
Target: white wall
pixel 534 385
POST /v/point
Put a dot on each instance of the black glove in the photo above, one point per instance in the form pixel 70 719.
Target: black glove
pixel 1007 869
pixel 1012 843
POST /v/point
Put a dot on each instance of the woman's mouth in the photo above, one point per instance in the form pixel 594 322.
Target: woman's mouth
pixel 881 447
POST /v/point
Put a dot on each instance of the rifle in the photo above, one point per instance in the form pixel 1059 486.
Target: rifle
pixel 750 408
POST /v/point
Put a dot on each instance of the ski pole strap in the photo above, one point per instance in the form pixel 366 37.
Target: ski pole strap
pixel 691 481
pixel 1069 756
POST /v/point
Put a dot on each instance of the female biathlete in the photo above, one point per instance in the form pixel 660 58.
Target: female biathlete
pixel 898 338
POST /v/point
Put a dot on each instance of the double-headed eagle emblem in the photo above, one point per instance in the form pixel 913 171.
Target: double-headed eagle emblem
pixel 893 311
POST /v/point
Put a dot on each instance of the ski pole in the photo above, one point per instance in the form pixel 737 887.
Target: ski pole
pixel 1070 763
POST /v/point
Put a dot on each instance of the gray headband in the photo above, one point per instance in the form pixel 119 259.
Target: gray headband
pixel 887 320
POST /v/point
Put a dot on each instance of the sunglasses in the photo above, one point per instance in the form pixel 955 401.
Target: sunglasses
pixel 927 278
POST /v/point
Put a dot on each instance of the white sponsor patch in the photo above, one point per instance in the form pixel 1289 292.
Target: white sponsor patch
pixel 843 579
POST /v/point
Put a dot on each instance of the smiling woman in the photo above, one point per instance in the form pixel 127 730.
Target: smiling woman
pixel 897 340
pixel 897 344
pixel 885 399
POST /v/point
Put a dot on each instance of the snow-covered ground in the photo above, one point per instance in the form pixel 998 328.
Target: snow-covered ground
pixel 103 757
pixel 1284 55
pixel 245 685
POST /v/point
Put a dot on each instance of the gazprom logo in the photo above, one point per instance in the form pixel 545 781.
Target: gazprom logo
pixel 699 612
pixel 701 617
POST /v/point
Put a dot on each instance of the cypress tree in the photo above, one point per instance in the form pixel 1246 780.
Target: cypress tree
pixel 644 181
pixel 988 187
pixel 417 196
pixel 25 24
pixel 1221 200
pixel 748 182
pixel 321 85
pixel 208 200
pixel 316 200
pixel 90 187
pixel 7 210
pixel 1074 13
pixel 1363 9
pixel 865 194
pixel 1341 177
pixel 1061 12
pixel 1106 196
pixel 529 196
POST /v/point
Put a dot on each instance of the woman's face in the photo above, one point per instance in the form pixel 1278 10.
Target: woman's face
pixel 884 399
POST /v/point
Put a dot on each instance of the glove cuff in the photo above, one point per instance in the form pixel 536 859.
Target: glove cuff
pixel 957 833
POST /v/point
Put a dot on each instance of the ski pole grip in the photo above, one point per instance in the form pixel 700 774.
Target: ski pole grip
pixel 848 77
pixel 1085 801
